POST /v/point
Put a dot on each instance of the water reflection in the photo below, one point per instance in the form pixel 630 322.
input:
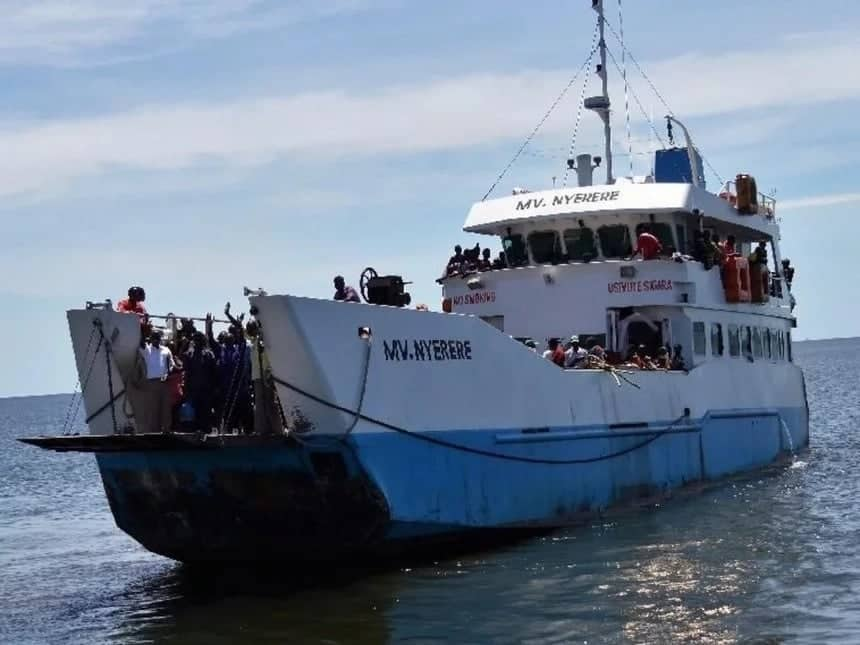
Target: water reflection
pixel 768 559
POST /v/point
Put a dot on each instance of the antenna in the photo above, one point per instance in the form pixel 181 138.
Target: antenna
pixel 600 104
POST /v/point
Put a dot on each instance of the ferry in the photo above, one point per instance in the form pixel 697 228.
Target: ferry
pixel 404 426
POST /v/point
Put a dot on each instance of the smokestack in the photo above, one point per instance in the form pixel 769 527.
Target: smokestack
pixel 584 170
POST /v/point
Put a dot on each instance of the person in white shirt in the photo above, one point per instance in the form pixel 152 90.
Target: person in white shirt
pixel 574 356
pixel 155 363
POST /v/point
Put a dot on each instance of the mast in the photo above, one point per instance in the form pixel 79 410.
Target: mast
pixel 600 104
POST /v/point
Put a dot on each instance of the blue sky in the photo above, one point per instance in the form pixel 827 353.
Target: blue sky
pixel 195 146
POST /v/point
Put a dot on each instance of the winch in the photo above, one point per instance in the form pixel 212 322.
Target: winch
pixel 383 289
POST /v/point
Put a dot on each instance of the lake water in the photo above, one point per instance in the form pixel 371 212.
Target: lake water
pixel 769 559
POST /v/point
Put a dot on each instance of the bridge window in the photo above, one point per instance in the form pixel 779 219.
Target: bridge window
pixel 780 345
pixel 767 341
pixel 662 232
pixel 746 342
pixel 716 339
pixel 615 241
pixel 579 243
pixel 699 338
pixel 734 341
pixel 788 345
pixel 545 246
pixel 515 250
pixel 756 342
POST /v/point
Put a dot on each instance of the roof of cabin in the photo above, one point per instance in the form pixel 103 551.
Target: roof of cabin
pixel 491 215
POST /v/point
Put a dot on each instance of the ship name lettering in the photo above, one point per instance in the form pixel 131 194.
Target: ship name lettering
pixel 639 286
pixel 431 349
pixel 578 197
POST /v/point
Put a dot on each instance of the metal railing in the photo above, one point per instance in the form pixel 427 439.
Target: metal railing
pixel 766 203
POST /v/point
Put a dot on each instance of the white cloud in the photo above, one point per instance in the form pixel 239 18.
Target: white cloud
pixel 62 33
pixel 435 115
pixel 833 199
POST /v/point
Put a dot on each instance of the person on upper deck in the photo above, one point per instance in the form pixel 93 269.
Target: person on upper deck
pixel 484 264
pixel 716 250
pixel 647 245
pixel 759 254
pixel 699 247
pixel 709 251
pixel 729 246
pixel 456 262
pixel 500 262
pixel 515 249
pixel 343 292
pixel 787 272
pixel 134 303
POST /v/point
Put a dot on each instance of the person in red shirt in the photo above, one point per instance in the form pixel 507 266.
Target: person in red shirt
pixel 134 303
pixel 647 244
pixel 555 352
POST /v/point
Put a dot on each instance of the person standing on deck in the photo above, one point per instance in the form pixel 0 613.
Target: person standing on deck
pixel 134 303
pixel 555 352
pixel 343 292
pixel 201 381
pixel 155 363
pixel 576 355
pixel 647 245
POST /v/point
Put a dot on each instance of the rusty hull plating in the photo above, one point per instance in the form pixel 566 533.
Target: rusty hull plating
pixel 272 501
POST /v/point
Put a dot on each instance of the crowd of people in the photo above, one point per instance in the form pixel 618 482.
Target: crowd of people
pixel 473 260
pixel 194 380
pixel 571 354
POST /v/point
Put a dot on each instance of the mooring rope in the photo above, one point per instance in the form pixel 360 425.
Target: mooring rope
pixel 359 415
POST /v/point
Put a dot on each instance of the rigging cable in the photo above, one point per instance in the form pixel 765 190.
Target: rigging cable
pixel 84 384
pixel 542 121
pixel 638 102
pixel 112 399
pixel 358 415
pixel 626 100
pixel 69 419
pixel 654 89
pixel 580 106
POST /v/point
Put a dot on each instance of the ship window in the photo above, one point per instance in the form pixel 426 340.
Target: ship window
pixel 788 345
pixel 780 347
pixel 699 338
pixel 545 246
pixel 756 342
pixel 734 341
pixel 579 243
pixel 515 250
pixel 716 339
pixel 615 241
pixel 496 321
pixel 767 341
pixel 746 342
pixel 681 232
